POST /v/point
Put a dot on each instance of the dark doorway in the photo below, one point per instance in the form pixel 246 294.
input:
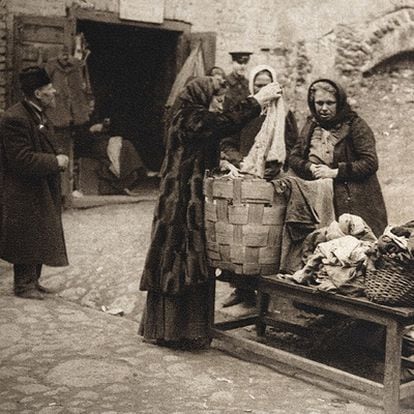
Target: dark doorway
pixel 132 70
pixel 398 62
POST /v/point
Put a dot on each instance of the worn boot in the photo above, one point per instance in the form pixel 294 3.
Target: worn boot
pixel 247 297
pixel 234 298
pixel 43 289
pixel 30 294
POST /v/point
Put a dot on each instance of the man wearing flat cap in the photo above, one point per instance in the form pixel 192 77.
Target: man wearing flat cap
pixel 238 84
pixel 31 232
pixel 237 91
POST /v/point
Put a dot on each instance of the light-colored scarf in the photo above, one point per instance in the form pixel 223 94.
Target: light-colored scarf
pixel 269 143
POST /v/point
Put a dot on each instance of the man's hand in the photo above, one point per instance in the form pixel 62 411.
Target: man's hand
pixel 323 171
pixel 63 161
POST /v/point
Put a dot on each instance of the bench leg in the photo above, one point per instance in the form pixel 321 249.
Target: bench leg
pixel 392 371
pixel 211 298
pixel 263 300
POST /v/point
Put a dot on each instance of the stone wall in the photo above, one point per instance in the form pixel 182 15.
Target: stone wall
pixel 270 28
pixel 242 24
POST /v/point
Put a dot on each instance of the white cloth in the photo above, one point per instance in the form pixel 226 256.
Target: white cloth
pixel 400 241
pixel 114 154
pixel 269 143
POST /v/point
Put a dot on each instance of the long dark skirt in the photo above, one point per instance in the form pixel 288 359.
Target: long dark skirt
pixel 177 318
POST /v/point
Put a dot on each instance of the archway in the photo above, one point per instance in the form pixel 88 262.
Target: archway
pixel 390 35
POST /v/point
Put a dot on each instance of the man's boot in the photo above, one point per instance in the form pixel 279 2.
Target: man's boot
pixel 30 294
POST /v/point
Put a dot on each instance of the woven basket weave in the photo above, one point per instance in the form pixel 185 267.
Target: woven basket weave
pixel 390 283
pixel 244 220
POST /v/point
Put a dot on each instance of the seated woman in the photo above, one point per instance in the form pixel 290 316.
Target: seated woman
pixel 121 167
pixel 235 149
pixel 336 143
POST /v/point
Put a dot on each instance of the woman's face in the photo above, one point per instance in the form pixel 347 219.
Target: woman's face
pixel 261 79
pixel 216 104
pixel 325 104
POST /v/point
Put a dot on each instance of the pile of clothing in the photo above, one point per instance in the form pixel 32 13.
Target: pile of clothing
pixel 335 256
pixel 396 243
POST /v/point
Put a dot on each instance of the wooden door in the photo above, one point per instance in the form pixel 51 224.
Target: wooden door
pixel 196 54
pixel 208 46
pixel 37 38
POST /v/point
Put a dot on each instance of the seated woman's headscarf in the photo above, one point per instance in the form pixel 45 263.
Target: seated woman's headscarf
pixel 269 143
pixel 343 110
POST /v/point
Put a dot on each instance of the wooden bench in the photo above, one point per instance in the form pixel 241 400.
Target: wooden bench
pixel 394 319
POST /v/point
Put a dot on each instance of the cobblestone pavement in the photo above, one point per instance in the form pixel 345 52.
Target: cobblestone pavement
pixel 64 355
pixel 58 357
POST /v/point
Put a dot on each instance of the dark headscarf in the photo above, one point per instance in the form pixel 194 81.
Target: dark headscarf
pixel 343 110
pixel 199 91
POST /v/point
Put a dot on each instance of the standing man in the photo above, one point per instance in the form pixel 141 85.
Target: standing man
pixel 238 84
pixel 31 232
pixel 237 91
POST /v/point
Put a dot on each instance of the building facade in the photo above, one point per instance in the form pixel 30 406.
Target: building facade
pixel 134 60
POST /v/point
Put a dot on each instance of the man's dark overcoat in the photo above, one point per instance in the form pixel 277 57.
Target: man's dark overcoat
pixel 31 224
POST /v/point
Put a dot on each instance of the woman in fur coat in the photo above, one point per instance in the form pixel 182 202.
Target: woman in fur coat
pixel 176 274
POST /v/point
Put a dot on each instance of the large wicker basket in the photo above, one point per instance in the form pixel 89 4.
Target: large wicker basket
pixel 244 220
pixel 390 283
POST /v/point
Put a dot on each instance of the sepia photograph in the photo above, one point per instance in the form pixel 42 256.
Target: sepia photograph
pixel 206 207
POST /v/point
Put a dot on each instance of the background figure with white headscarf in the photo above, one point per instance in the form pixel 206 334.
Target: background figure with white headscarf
pixel 235 149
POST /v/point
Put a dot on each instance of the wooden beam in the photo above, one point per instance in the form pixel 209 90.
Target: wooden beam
pixel 348 309
pixel 392 373
pixel 110 17
pixel 329 373
pixel 407 390
pixel 287 326
pixel 276 285
pixel 236 323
